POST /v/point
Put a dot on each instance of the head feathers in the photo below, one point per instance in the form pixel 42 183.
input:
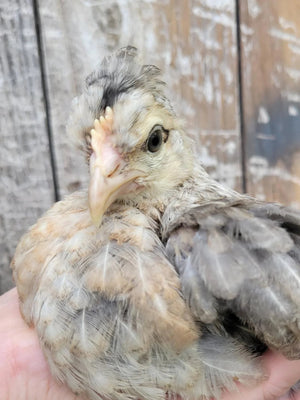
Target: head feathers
pixel 118 75
pixel 121 73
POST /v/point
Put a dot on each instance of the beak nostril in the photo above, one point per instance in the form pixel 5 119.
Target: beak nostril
pixel 114 171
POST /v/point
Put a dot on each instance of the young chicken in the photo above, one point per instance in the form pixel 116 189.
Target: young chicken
pixel 157 279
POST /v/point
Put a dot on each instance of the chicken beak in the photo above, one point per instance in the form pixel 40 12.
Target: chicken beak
pixel 105 187
pixel 109 176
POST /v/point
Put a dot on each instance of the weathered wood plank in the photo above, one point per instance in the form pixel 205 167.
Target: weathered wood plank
pixel 194 42
pixel 270 32
pixel 26 188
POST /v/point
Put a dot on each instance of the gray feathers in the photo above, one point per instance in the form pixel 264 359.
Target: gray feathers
pixel 245 256
pixel 117 77
pixel 183 280
pixel 225 358
pixel 120 74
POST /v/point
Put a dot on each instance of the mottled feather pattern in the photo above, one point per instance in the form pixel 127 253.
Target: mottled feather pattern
pixel 103 310
pixel 247 258
pixel 181 285
pixel 117 77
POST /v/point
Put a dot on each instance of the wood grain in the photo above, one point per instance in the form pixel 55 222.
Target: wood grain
pixel 194 42
pixel 26 188
pixel 270 32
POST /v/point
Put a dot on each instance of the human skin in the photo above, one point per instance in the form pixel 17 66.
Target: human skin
pixel 24 374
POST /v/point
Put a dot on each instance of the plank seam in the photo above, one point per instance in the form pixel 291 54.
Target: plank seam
pixel 241 95
pixel 46 97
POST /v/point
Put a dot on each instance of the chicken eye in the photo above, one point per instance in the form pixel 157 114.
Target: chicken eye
pixel 155 139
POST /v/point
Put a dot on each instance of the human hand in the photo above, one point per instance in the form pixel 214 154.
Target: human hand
pixel 24 373
pixel 282 375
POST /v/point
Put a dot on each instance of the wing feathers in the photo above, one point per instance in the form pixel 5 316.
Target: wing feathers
pixel 222 267
pixel 248 258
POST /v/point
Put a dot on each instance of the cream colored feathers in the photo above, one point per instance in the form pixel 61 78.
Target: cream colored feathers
pixel 157 279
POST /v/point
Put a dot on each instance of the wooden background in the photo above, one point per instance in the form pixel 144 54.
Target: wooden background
pixel 233 70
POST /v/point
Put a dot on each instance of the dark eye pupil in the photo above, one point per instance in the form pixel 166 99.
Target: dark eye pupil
pixel 155 141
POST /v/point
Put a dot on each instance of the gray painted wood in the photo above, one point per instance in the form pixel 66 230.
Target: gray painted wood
pixel 271 81
pixel 26 188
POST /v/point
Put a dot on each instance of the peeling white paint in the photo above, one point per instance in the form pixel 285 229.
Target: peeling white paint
pixel 217 18
pixel 246 30
pixel 293 73
pixel 291 96
pixel 263 116
pixel 285 24
pixel 295 48
pixel 207 159
pixel 207 91
pixel 259 168
pixel 275 80
pixel 228 173
pixel 227 73
pixel 230 147
pixel 253 8
pixel 220 5
pixel 220 132
pixel 229 99
pixel 184 64
pixel 209 42
pixel 293 111
pixel 282 35
pixel 265 136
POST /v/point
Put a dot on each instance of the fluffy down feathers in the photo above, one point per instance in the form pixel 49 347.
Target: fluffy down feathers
pixel 181 283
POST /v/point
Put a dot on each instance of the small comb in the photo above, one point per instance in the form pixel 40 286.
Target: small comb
pixel 102 128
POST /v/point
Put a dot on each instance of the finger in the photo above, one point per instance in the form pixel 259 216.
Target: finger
pixel 290 396
pixel 283 374
pixel 22 362
pixel 296 396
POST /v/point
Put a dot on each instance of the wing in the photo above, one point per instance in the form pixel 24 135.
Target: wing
pixel 244 259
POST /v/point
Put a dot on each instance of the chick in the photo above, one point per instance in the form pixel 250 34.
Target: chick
pixel 157 279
